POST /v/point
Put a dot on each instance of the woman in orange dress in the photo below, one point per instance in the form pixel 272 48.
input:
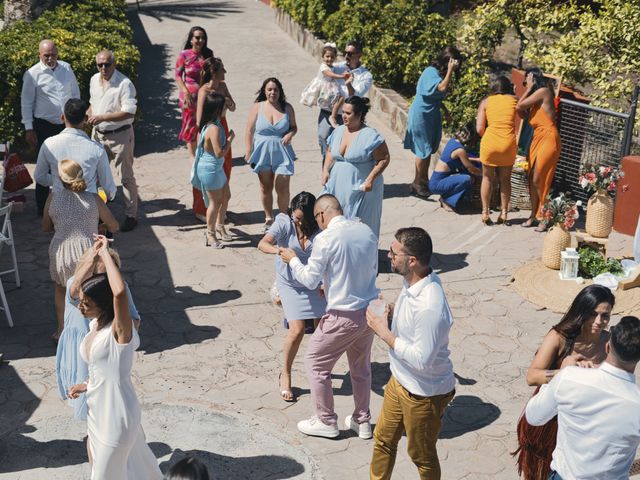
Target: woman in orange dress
pixel 495 123
pixel 544 152
pixel 213 72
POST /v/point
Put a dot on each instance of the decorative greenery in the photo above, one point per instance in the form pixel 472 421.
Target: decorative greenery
pixel 592 263
pixel 80 30
pixel 560 210
pixel 599 177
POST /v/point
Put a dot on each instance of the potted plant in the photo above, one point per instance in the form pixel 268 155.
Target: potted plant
pixel 559 214
pixel 600 180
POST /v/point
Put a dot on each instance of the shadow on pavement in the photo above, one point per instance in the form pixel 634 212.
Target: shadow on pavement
pixel 467 413
pixel 272 467
pixel 167 9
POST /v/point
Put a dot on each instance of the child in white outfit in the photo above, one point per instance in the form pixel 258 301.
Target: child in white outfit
pixel 324 90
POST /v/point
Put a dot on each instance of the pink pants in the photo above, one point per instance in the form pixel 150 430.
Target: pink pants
pixel 340 332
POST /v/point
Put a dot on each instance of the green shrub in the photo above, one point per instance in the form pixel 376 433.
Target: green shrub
pixel 592 263
pixel 80 30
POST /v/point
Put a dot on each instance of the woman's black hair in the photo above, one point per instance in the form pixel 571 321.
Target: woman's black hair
pixel 441 62
pixel 210 67
pixel 360 106
pixel 582 309
pixel 467 135
pixel 206 52
pixel 501 86
pixel 189 468
pixel 539 80
pixel 305 202
pixel 212 108
pixel 97 288
pixel 262 95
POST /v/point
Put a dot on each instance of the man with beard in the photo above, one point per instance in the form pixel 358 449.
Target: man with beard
pixel 422 382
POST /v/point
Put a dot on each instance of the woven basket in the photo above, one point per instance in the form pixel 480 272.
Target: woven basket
pixel 520 197
pixel 599 215
pixel 555 241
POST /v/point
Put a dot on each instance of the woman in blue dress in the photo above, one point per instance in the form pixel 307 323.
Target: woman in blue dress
pixel 208 174
pixel 270 128
pixel 451 177
pixel 297 230
pixel 424 129
pixel 356 157
pixel 70 368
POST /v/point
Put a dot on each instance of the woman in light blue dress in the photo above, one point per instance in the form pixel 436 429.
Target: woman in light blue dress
pixel 356 157
pixel 297 230
pixel 207 174
pixel 424 128
pixel 70 368
pixel 270 128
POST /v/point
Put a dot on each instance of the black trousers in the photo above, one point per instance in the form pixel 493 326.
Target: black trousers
pixel 43 131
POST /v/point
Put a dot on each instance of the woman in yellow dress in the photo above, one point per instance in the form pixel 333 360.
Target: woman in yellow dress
pixel 495 123
pixel 544 152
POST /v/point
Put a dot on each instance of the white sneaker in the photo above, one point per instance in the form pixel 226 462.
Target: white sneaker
pixel 316 428
pixel 362 429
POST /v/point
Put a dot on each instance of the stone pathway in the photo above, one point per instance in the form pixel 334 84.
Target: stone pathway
pixel 207 369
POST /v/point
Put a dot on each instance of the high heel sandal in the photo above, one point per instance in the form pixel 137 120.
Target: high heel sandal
pixel 222 233
pixel 486 219
pixel 210 240
pixel 502 219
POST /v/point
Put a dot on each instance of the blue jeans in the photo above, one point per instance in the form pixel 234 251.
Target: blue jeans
pixel 554 476
pixel 325 129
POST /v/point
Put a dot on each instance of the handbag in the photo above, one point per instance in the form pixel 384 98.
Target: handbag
pixel 16 175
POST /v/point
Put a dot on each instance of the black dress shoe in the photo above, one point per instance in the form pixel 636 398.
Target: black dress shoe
pixel 129 224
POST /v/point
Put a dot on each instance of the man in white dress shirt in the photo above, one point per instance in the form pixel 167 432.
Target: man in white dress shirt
pixel 598 411
pixel 73 144
pixel 345 259
pixel 422 381
pixel 113 106
pixel 46 87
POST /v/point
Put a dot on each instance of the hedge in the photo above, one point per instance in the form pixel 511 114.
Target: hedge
pixel 80 30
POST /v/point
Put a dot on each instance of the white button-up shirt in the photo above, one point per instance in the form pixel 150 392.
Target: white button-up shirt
pixel 598 421
pixel 362 80
pixel 421 322
pixel 45 91
pixel 119 95
pixel 345 259
pixel 74 144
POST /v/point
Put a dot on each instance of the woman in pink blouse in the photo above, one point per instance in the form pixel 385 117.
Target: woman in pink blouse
pixel 188 73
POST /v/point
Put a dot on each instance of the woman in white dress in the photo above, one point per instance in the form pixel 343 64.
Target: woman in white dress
pixel 117 446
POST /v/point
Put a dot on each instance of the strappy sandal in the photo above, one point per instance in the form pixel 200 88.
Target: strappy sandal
pixel 502 219
pixel 531 222
pixel 286 394
pixel 222 233
pixel 420 192
pixel 210 240
pixel 486 219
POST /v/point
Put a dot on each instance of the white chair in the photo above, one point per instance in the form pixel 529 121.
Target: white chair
pixel 6 238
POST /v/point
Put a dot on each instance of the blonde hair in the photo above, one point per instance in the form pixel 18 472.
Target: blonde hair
pixel 71 176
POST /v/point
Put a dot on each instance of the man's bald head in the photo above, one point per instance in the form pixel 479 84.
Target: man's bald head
pixel 48 53
pixel 328 202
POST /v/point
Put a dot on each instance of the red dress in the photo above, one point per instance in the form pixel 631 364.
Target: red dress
pixel 189 69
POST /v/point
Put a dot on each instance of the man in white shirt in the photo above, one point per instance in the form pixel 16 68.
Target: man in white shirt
pixel 422 381
pixel 113 106
pixel 46 87
pixel 72 143
pixel 345 259
pixel 598 411
pixel 358 84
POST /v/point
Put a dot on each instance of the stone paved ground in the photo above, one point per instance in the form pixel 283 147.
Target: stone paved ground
pixel 207 369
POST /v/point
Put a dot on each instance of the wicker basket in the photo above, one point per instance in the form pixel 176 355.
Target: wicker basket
pixel 555 241
pixel 520 197
pixel 599 215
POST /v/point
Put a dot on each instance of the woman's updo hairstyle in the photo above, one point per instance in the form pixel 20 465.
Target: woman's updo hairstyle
pixel 501 86
pixel 72 176
pixel 210 67
pixel 360 106
pixel 98 290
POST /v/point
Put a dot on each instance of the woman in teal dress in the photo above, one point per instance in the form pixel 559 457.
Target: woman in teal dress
pixel 424 129
pixel 208 173
pixel 356 157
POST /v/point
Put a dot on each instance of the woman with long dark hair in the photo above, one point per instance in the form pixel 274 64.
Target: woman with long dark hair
pixel 495 123
pixel 424 129
pixel 297 230
pixel 188 73
pixel 270 128
pixel 537 105
pixel 578 339
pixel 117 445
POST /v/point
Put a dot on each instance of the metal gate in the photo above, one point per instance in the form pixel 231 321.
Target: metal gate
pixel 590 135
